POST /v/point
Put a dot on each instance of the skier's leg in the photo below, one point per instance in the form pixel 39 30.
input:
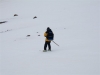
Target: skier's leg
pixel 49 45
pixel 45 45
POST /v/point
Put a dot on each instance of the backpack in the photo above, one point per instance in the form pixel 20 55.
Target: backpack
pixel 50 35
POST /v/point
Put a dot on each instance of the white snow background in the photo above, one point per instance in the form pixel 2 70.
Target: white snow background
pixel 76 26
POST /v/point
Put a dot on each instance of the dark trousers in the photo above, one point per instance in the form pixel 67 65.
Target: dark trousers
pixel 47 43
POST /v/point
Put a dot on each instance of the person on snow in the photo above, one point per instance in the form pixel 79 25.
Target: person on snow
pixel 49 37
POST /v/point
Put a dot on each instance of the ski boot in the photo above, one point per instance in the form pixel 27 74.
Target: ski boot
pixel 44 50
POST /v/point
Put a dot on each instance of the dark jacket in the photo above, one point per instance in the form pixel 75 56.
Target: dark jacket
pixel 46 33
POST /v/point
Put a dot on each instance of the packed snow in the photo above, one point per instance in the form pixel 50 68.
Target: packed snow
pixel 76 28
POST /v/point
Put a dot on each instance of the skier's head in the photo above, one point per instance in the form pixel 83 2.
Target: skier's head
pixel 48 28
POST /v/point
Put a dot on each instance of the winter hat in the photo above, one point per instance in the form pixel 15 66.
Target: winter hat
pixel 48 28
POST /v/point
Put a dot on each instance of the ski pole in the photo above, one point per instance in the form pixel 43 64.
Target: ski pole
pixel 55 43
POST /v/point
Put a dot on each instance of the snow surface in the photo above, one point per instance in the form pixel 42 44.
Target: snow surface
pixel 76 25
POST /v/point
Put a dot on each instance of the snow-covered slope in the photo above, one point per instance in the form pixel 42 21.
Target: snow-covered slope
pixel 75 24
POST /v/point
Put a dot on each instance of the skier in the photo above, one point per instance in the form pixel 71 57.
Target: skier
pixel 49 37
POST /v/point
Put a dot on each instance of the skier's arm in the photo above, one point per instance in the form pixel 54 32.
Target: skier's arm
pixel 45 34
